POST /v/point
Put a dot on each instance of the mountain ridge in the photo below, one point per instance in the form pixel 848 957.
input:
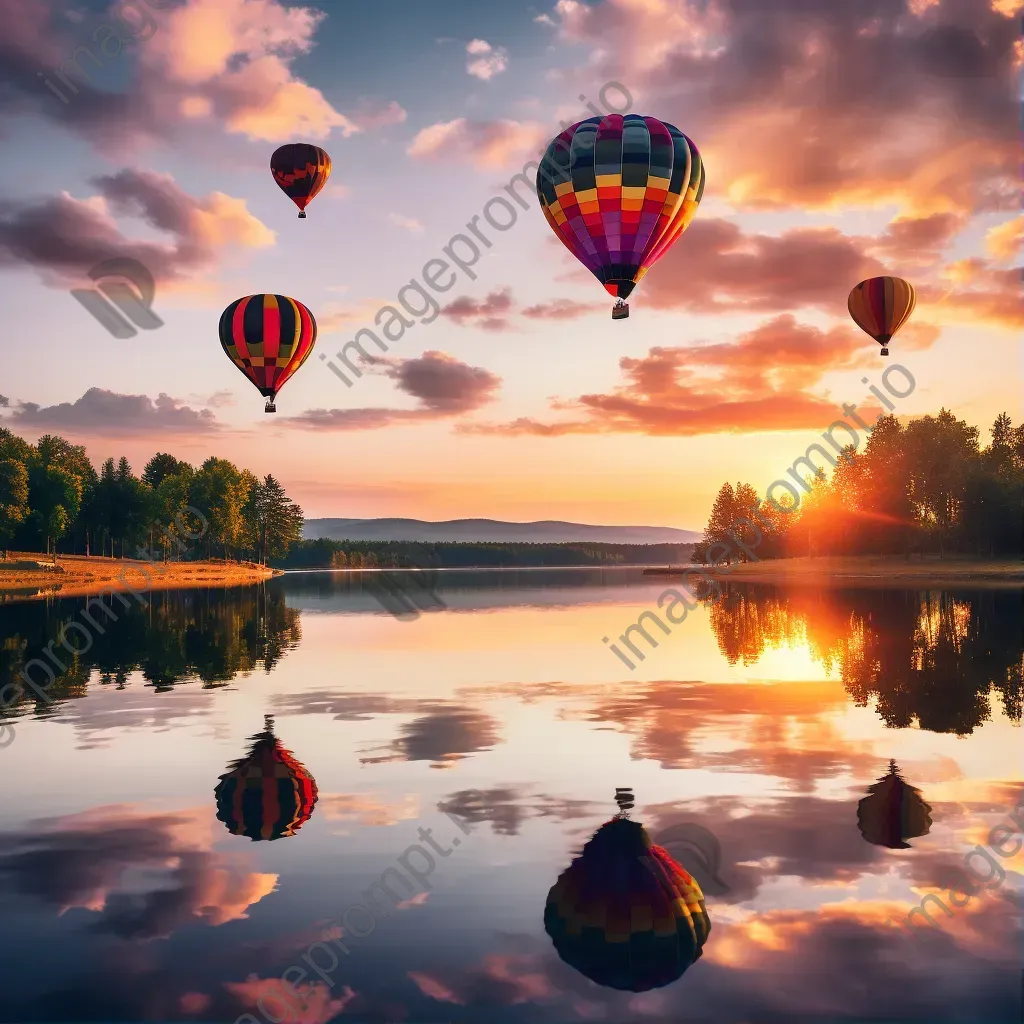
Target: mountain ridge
pixel 544 531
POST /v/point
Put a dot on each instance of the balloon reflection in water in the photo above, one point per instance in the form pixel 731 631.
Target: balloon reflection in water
pixel 268 794
pixel 893 813
pixel 624 913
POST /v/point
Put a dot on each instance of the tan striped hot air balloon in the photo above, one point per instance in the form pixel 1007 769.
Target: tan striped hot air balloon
pixel 880 306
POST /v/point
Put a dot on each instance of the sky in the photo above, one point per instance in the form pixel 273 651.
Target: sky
pixel 842 139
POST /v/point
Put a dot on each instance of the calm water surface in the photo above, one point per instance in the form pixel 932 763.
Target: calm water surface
pixel 499 720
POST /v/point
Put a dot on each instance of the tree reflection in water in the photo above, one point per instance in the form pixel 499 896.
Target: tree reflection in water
pixel 933 657
pixel 180 636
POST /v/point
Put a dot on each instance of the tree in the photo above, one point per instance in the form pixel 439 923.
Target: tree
pixel 162 466
pixel 50 488
pixel 277 520
pixel 169 503
pixel 220 492
pixel 720 521
pixel 14 507
pixel 941 451
pixel 133 497
pixel 57 523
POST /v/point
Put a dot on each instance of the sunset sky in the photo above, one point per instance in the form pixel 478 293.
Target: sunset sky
pixel 842 139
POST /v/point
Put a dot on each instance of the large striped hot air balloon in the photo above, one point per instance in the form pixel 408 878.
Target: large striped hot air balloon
pixel 301 170
pixel 618 192
pixel 880 306
pixel 893 813
pixel 268 337
pixel 268 794
pixel 624 913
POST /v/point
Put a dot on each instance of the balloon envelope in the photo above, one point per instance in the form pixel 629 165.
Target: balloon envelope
pixel 300 170
pixel 268 337
pixel 624 913
pixel 268 794
pixel 880 306
pixel 618 192
pixel 894 812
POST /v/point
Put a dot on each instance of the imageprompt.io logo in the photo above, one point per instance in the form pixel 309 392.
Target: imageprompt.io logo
pixel 133 301
pixel 404 593
pixel 699 851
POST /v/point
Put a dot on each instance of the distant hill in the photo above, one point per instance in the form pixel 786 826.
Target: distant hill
pixel 492 530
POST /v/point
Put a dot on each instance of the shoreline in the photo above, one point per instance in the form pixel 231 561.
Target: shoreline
pixel 82 575
pixel 863 571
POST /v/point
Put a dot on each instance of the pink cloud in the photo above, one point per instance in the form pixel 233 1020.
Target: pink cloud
pixel 483 144
pixel 760 381
pixel 310 1004
pixel 825 103
pixel 63 237
pixel 444 387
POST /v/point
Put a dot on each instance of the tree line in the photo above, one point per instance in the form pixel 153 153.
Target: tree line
pixel 926 487
pixel 346 554
pixel 52 498
pixel 930 658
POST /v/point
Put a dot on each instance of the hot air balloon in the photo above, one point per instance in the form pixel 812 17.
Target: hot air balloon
pixel 268 794
pixel 301 170
pixel 880 306
pixel 268 337
pixel 624 913
pixel 893 813
pixel 618 192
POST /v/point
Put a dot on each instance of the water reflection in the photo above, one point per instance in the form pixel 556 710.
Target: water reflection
pixel 893 813
pixel 624 913
pixel 931 658
pixel 123 898
pixel 267 795
pixel 209 635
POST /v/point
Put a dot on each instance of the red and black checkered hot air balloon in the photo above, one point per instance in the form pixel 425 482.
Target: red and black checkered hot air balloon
pixel 618 192
pixel 300 170
pixel 624 913
pixel 893 813
pixel 268 794
pixel 268 337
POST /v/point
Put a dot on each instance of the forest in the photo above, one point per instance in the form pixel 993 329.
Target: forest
pixel 346 554
pixel 927 487
pixel 53 500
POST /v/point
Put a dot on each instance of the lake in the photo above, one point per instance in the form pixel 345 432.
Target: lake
pixel 487 718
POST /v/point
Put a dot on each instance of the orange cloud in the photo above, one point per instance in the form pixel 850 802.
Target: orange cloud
pixel 760 381
pixel 1004 241
pixel 236 54
pixel 312 1005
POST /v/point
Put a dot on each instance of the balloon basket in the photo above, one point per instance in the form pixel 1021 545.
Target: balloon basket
pixel 620 310
pixel 302 216
pixel 885 351
pixel 270 407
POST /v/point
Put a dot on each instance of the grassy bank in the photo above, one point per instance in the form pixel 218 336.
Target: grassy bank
pixel 867 571
pixel 30 575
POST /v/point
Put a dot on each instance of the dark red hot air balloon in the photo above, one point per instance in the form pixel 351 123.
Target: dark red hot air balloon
pixel 300 170
pixel 268 794
pixel 268 337
pixel 624 913
pixel 893 813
